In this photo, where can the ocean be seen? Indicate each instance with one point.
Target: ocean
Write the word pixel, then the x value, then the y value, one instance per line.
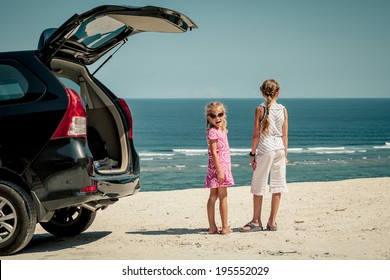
pixel 329 140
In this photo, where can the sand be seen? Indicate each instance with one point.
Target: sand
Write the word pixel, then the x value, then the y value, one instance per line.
pixel 343 220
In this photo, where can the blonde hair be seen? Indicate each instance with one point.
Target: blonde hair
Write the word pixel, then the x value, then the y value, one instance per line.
pixel 270 89
pixel 212 107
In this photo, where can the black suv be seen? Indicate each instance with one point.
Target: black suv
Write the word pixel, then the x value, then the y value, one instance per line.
pixel 66 140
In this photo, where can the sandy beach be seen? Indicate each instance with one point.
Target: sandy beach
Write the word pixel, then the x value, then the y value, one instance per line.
pixel 344 220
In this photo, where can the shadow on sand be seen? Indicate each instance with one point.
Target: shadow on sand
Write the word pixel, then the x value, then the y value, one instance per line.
pixel 48 243
pixel 170 231
pixel 175 231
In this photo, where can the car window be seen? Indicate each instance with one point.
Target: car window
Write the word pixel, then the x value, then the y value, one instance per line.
pixel 17 84
pixel 97 31
pixel 13 85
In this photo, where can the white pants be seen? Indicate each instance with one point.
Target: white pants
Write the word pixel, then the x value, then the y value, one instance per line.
pixel 271 163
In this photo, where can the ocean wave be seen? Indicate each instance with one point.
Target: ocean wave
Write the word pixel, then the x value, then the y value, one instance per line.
pixel 330 150
pixel 308 163
pixel 155 158
pixel 386 146
pixel 155 154
pixel 237 152
pixel 322 162
pixel 335 152
pixel 326 148
pixel 191 152
pixel 201 152
pixel 178 166
pixel 316 150
pixel 245 151
pixel 234 152
pixel 163 169
pixel 295 150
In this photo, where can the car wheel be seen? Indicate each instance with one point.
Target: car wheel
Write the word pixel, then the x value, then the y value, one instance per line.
pixel 69 221
pixel 18 218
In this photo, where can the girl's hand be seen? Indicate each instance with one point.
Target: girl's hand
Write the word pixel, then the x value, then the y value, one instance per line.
pixel 220 177
pixel 253 163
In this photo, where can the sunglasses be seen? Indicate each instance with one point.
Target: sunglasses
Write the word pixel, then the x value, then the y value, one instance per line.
pixel 220 115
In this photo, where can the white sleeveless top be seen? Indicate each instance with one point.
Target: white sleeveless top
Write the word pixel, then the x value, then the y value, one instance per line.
pixel 273 140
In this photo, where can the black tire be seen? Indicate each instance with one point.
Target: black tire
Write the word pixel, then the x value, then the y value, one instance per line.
pixel 69 221
pixel 18 218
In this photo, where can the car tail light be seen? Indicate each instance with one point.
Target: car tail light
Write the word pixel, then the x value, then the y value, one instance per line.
pixel 89 189
pixel 74 122
pixel 126 109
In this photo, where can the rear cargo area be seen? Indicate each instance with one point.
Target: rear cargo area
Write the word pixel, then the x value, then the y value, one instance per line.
pixel 106 133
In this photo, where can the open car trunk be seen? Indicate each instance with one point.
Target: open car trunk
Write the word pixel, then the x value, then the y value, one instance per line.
pixel 107 138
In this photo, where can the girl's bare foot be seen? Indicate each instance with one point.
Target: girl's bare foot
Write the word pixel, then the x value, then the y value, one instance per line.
pixel 214 231
pixel 226 230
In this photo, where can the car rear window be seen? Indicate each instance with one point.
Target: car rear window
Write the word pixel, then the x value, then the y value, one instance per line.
pixel 97 31
pixel 17 84
pixel 13 85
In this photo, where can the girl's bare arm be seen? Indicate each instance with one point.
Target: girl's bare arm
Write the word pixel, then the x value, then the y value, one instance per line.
pixel 285 132
pixel 214 155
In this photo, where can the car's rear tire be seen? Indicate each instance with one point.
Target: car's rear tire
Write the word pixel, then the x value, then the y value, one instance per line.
pixel 18 218
pixel 69 221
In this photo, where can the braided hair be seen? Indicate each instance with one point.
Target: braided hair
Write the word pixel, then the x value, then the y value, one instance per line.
pixel 270 88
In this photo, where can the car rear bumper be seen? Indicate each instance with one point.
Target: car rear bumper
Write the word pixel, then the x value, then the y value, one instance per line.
pixel 59 174
pixel 118 186
pixel 108 193
pixel 109 190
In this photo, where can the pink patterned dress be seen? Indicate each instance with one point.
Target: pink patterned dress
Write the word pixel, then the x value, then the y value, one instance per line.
pixel 223 152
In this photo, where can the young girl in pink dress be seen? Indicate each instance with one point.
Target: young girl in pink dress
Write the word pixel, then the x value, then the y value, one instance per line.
pixel 219 175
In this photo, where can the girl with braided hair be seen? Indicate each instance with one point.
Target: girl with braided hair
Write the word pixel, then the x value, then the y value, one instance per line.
pixel 268 156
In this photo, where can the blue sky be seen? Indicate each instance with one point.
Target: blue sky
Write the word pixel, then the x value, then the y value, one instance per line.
pixel 319 49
